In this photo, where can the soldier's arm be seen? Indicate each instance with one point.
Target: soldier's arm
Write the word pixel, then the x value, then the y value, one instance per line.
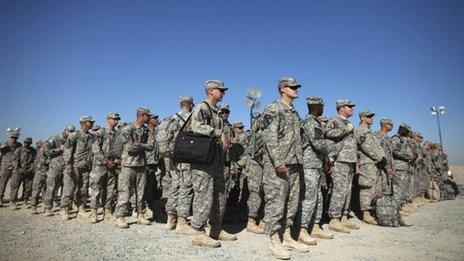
pixel 271 124
pixel 68 153
pixel 334 131
pixel 150 145
pixel 97 149
pixel 200 124
pixel 400 150
pixel 17 160
pixel 322 146
pixel 370 147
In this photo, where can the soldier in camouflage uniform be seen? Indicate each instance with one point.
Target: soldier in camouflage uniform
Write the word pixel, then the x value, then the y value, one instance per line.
pixel 208 180
pixel 10 153
pixel 402 157
pixel 39 184
pixel 420 170
pixel 132 178
pixel 153 187
pixel 54 148
pixel 371 160
pixel 229 168
pixel 344 157
pixel 77 158
pixel 104 172
pixel 283 159
pixel 23 172
pixel 315 149
pixel 386 125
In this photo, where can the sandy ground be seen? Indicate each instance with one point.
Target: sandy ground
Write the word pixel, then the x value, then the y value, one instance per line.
pixel 458 172
pixel 437 233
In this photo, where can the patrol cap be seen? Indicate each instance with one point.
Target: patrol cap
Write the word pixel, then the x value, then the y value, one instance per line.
pixel 113 115
pixel 215 84
pixel 186 98
pixel 144 110
pixel 86 118
pixel 314 100
pixel 238 124
pixel 344 102
pixel 386 121
pixel 288 82
pixel 224 107
pixel 406 126
pixel 28 140
pixel 13 133
pixel 366 113
pixel 70 128
pixel 418 134
pixel 96 127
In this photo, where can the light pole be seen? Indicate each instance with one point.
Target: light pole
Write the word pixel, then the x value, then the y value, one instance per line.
pixel 252 102
pixel 438 111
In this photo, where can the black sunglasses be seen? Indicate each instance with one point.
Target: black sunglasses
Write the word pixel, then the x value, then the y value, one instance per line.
pixel 293 87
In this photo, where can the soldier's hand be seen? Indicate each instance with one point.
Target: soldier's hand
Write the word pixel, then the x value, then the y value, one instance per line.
pixel 282 169
pixel 225 141
pixel 70 172
pixel 61 147
pixel 349 127
pixel 357 170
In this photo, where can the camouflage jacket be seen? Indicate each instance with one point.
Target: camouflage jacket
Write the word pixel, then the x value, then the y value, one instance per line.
pixel 135 145
pixel 10 155
pixel 345 143
pixel 282 134
pixel 402 153
pixel 152 155
pixel 315 145
pixel 101 146
pixel 53 151
pixel 369 149
pixel 205 120
pixel 179 119
pixel 26 159
pixel 78 150
pixel 385 143
pixel 42 162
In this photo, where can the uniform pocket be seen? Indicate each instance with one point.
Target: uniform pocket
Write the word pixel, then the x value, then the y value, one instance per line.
pixel 199 183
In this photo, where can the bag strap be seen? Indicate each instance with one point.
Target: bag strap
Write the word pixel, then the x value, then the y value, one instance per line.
pixel 190 116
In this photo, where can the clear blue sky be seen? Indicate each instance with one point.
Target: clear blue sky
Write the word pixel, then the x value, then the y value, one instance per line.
pixel 60 60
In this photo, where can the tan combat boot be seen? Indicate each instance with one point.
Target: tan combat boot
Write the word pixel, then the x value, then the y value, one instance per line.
pixel 336 225
pixel 34 210
pixel 81 212
pixel 276 247
pixel 262 224
pixel 320 233
pixel 201 239
pixel 142 220
pixel 218 234
pixel 404 214
pixel 253 228
pixel 48 212
pixel 367 218
pixel 345 222
pixel 121 223
pixel 93 216
pixel 305 238
pixel 289 243
pixel 13 206
pixel 64 214
pixel 25 204
pixel 172 222
pixel 108 215
pixel 183 227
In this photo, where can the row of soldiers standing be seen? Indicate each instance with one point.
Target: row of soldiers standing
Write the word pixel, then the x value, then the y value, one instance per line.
pixel 286 163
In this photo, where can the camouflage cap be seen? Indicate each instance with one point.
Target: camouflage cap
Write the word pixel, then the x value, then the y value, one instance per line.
pixel 145 110
pixel 314 100
pixel 386 121
pixel 13 133
pixel 344 102
pixel 287 82
pixel 238 124
pixel 186 98
pixel 224 107
pixel 86 118
pixel 406 126
pixel 96 127
pixel 113 115
pixel 366 113
pixel 418 134
pixel 70 128
pixel 215 84
pixel 28 140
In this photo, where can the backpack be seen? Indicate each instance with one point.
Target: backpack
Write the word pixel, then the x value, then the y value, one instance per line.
pixel 388 212
pixel 117 147
pixel 164 137
pixel 433 191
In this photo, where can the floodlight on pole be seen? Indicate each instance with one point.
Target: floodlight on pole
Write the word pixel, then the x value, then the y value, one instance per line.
pixel 438 111
pixel 252 102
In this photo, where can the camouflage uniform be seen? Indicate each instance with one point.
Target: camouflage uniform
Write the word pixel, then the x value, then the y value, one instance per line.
pixel 208 180
pixel 344 166
pixel 39 185
pixel 154 175
pixel 132 178
pixel 23 173
pixel 370 154
pixel 10 154
pixel 77 157
pixel 103 179
pixel 385 143
pixel 315 148
pixel 283 145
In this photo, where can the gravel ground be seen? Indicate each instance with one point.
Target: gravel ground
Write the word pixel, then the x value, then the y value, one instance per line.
pixel 437 233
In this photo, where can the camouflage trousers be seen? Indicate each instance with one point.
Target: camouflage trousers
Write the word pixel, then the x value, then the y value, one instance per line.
pixel 16 180
pixel 184 201
pixel 401 187
pixel 370 186
pixel 73 187
pixel 424 180
pixel 342 177
pixel 311 205
pixel 54 181
pixel 209 200
pixel 153 186
pixel 386 183
pixel 131 180
pixel 173 198
pixel 5 175
pixel 413 184
pixel 254 173
pixel 39 185
pixel 103 186
pixel 281 196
